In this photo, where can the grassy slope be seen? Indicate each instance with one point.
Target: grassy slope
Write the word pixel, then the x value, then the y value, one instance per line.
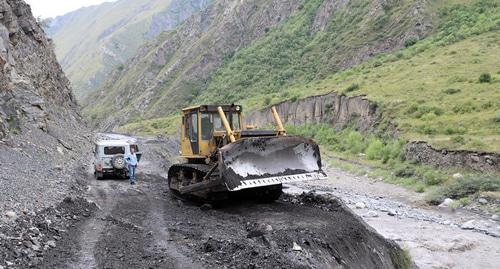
pixel 431 89
pixel 80 42
pixel 410 85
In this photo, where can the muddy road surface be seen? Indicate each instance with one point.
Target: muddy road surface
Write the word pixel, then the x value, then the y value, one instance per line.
pixel 145 226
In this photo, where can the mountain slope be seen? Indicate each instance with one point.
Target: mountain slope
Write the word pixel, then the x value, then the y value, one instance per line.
pixel 294 35
pixel 93 40
pixel 442 89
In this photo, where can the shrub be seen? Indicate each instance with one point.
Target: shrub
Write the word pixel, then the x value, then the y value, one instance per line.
pixel 353 87
pixel 465 186
pixel 354 142
pixel 485 78
pixel 467 107
pixel 405 171
pixel 433 177
pixel 376 150
pixel 267 101
pixel 411 41
pixel 458 139
pixel 427 129
pixel 453 129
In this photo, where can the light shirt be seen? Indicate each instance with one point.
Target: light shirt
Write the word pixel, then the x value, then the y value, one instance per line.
pixel 131 159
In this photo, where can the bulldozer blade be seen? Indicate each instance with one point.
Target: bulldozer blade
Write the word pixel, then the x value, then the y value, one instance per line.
pixel 265 161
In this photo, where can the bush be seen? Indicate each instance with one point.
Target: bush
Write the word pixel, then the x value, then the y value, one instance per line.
pixel 485 78
pixel 353 87
pixel 354 142
pixel 465 186
pixel 433 178
pixel 411 41
pixel 405 172
pixel 376 150
pixel 458 139
pixel 267 101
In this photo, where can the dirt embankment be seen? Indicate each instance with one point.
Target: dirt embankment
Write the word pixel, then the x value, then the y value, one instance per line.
pixel 422 152
pixel 336 109
pixel 339 110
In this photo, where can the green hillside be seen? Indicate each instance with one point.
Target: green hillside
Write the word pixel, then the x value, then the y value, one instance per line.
pixel 432 89
pixel 443 89
pixel 264 53
pixel 92 41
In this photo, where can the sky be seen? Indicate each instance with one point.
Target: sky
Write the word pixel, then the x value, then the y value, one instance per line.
pixel 53 8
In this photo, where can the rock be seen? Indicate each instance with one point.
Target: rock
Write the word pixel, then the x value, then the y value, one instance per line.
pixel 10 215
pixel 482 201
pixel 60 150
pixel 495 217
pixel 446 222
pixel 180 203
pixel 25 211
pixel 360 205
pixel 51 243
pixel 206 207
pixel 255 233
pixel 446 203
pixel 372 214
pixel 296 247
pixel 469 225
pixel 457 175
pixel 392 213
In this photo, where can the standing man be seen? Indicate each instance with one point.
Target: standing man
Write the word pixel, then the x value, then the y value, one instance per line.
pixel 132 165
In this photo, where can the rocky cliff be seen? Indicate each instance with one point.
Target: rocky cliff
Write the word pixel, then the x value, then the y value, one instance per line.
pixel 42 138
pixel 335 109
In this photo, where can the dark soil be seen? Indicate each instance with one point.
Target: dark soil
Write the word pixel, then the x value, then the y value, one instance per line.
pixel 145 226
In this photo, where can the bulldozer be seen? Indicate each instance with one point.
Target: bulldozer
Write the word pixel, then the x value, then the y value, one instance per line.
pixel 222 156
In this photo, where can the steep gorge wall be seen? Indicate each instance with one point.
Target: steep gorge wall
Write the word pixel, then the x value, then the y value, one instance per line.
pixel 43 140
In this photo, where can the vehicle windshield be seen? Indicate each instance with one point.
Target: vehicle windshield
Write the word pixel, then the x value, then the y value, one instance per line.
pixel 212 121
pixel 114 150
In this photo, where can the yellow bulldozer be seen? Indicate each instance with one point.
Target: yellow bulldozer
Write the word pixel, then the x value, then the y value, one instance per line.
pixel 223 156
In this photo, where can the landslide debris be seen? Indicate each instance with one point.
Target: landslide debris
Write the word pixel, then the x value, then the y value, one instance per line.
pixel 43 142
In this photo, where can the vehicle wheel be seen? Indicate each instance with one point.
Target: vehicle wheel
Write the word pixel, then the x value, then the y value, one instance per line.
pixel 119 162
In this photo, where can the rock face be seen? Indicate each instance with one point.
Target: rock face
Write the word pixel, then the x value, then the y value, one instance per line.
pixel 38 114
pixel 335 109
pixel 422 152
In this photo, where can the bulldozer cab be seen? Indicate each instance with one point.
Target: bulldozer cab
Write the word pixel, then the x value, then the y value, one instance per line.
pixel 203 129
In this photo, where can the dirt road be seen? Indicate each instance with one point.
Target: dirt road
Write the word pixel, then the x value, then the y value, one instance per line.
pixel 145 226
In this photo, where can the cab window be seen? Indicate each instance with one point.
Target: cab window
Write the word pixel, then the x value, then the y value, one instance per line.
pixel 114 150
pixel 236 121
pixel 207 126
pixel 194 127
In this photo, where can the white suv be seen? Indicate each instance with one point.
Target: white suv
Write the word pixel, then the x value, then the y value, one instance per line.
pixel 109 158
